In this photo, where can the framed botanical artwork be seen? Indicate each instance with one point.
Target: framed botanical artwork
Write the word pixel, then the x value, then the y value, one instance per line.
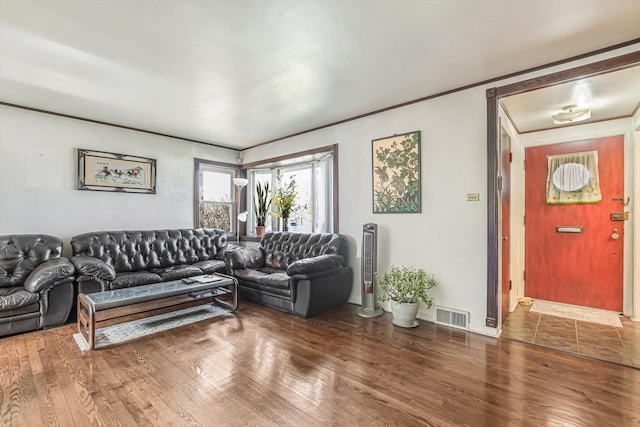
pixel 396 173
pixel 102 171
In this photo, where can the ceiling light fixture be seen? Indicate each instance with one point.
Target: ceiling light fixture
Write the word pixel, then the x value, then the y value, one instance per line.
pixel 570 114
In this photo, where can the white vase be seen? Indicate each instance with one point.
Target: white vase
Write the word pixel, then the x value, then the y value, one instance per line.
pixel 404 314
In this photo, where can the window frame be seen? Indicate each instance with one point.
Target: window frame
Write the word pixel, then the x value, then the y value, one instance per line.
pixel 267 164
pixel 287 162
pixel 212 165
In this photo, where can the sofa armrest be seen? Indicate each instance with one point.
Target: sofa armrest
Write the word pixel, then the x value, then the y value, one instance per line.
pixel 316 264
pixel 241 257
pixel 93 267
pixel 48 274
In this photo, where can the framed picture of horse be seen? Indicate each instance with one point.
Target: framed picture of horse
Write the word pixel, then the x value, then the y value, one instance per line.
pixel 103 171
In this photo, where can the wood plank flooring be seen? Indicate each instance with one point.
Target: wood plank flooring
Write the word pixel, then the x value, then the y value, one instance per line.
pixel 267 368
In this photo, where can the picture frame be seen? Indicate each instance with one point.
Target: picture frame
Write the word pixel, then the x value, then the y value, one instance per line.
pixel 105 171
pixel 396 179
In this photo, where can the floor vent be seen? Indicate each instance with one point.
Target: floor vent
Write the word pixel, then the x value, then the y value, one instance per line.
pixel 454 318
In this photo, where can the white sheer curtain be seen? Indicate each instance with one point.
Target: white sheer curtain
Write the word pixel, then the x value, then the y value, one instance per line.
pixel 573 178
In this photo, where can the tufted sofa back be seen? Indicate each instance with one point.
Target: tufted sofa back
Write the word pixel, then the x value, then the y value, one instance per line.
pixel 283 248
pixel 20 254
pixel 141 250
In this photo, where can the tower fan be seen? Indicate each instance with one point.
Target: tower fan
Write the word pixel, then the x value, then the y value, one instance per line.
pixel 369 306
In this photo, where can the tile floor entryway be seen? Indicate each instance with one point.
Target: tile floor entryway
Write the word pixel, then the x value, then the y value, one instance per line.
pixel 619 345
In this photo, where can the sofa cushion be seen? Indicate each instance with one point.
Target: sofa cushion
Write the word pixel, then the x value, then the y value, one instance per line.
pixel 21 254
pixel 211 266
pixel 265 286
pixel 283 248
pixel 50 273
pixel 315 264
pixel 93 267
pixel 138 250
pixel 32 309
pixel 16 297
pixel 277 260
pixel 177 272
pixel 265 277
pixel 239 257
pixel 136 278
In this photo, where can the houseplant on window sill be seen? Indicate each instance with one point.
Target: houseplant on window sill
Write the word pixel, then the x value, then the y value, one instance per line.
pixel 261 206
pixel 405 287
pixel 283 201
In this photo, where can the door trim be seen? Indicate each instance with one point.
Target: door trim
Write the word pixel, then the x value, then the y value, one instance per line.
pixel 493 96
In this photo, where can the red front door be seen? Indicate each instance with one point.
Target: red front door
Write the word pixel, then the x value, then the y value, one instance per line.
pixel 575 268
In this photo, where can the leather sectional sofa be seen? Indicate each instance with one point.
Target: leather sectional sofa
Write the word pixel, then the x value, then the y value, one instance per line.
pixel 109 260
pixel 301 273
pixel 36 283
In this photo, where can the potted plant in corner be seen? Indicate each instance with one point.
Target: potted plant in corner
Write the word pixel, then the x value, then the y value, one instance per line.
pixel 261 206
pixel 404 287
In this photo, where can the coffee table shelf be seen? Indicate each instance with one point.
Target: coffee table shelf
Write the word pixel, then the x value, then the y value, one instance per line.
pixel 116 305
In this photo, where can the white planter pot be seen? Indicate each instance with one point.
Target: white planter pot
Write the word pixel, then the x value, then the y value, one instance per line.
pixel 404 314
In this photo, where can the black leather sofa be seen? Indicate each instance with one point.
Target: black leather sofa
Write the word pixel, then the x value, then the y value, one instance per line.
pixel 109 260
pixel 301 273
pixel 36 283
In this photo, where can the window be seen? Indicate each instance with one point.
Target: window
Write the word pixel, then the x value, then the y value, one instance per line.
pixel 215 196
pixel 313 175
pixel 214 207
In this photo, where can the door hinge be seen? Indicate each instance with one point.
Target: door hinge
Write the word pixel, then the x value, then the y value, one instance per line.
pixel 524 164
pixel 524 275
pixel 510 284
pixel 510 157
pixel 500 183
pixel 524 220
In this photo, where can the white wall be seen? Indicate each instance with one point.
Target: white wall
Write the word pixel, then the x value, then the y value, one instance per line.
pixel 449 237
pixel 38 170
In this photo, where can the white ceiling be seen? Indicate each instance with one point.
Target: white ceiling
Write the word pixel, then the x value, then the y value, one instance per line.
pixel 238 73
pixel 612 95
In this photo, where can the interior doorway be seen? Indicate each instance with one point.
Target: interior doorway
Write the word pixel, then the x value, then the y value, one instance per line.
pixel 494 229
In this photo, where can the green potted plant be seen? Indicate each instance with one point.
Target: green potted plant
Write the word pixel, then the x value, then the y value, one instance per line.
pixel 284 200
pixel 261 206
pixel 404 287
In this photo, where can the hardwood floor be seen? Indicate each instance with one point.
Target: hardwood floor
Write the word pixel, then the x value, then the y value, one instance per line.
pixel 263 367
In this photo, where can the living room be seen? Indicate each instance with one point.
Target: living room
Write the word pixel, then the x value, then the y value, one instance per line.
pixel 448 236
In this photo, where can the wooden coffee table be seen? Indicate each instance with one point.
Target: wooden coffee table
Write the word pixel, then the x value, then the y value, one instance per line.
pixel 116 305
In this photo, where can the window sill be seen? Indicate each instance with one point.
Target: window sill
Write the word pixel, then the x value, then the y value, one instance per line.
pixel 250 238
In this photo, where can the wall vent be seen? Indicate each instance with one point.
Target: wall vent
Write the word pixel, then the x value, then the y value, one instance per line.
pixel 454 318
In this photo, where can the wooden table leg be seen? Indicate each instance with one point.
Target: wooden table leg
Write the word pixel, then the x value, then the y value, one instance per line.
pixel 86 320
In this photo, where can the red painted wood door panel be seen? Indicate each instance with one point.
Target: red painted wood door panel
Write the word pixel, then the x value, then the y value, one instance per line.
pixel 581 269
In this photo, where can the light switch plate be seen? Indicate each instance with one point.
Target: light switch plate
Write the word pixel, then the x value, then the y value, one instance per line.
pixel 473 197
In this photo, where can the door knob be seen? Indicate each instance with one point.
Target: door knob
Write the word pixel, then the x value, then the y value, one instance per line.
pixel 615 235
